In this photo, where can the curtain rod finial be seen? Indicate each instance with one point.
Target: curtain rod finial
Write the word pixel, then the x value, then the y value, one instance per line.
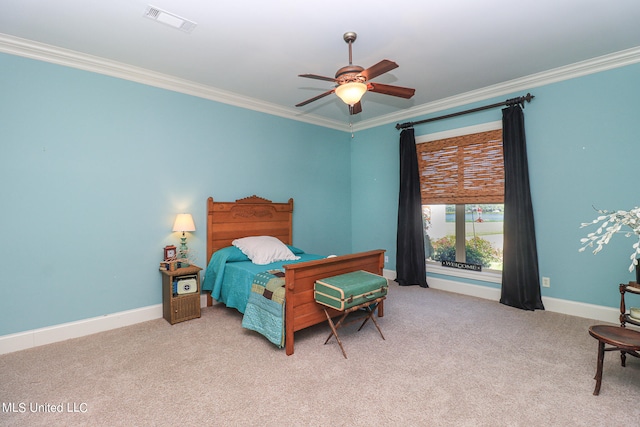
pixel 407 125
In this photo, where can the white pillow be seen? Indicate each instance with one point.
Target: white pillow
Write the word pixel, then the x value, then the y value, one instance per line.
pixel 264 249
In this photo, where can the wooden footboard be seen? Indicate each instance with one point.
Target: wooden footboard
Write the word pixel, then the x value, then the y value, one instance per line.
pixel 301 310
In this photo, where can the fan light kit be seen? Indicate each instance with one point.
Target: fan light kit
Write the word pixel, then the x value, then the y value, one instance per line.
pixel 353 81
pixel 351 93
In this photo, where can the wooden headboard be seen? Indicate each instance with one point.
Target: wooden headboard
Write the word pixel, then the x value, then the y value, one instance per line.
pixel 251 216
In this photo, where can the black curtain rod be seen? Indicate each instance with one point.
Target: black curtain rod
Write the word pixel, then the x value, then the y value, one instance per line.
pixel 520 100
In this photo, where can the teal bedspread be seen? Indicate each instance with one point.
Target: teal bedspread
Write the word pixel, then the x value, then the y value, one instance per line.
pixel 229 275
pixel 255 290
pixel 264 312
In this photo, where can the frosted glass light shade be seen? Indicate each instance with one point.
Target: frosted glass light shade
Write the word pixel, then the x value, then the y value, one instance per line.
pixel 351 93
pixel 184 222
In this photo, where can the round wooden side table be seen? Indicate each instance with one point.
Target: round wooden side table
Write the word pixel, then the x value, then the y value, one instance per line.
pixel 620 339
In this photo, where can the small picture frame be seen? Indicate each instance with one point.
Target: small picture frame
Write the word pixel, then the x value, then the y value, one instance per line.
pixel 170 253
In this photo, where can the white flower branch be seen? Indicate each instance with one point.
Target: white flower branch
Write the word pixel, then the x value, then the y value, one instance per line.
pixel 609 224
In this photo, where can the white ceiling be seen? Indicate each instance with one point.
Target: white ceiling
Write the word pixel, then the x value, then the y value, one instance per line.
pixel 256 48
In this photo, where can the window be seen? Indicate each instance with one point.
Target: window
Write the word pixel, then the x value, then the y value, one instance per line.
pixel 479 226
pixel 462 188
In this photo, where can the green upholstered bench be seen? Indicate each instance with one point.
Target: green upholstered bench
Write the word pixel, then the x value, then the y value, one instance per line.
pixel 346 293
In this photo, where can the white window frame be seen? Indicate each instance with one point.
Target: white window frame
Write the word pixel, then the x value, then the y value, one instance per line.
pixel 491 276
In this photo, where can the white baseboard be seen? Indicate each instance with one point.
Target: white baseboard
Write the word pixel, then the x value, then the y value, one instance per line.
pixel 572 308
pixel 389 274
pixel 80 328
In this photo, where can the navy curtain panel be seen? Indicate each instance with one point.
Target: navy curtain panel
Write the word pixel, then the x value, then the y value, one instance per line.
pixel 520 275
pixel 410 253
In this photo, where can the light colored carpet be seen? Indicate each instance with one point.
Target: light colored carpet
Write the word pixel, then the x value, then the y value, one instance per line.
pixel 447 360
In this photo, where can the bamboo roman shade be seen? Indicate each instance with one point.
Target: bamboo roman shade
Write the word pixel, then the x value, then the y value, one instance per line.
pixel 463 169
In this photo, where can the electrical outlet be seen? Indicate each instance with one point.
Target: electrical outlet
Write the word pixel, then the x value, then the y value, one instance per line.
pixel 546 282
pixel 386 258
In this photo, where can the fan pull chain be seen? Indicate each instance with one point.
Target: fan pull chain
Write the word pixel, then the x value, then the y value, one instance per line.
pixel 351 128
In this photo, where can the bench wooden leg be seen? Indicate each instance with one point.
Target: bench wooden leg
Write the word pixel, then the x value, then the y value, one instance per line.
pixel 370 315
pixel 370 311
pixel 598 376
pixel 334 330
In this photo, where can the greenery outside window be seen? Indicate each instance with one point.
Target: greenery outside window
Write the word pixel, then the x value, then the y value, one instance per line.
pixel 481 228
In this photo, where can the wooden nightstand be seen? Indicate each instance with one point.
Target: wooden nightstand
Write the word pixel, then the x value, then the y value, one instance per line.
pixel 178 306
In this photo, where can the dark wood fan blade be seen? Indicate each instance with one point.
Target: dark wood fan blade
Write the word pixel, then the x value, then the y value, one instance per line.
pixel 402 92
pixel 315 98
pixel 380 68
pixel 356 108
pixel 317 77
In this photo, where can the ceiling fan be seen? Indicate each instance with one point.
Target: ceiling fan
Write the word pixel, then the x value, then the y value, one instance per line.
pixel 352 81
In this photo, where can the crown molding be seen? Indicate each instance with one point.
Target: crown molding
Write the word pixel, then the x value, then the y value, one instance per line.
pixel 52 54
pixel 578 69
pixel 47 53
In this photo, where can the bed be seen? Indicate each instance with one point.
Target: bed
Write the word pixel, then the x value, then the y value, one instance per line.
pixel 256 216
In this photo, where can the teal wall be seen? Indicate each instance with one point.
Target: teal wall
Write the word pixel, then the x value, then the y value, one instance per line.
pixel 583 139
pixel 94 170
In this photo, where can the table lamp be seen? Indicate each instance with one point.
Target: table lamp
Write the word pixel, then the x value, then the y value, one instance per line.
pixel 184 222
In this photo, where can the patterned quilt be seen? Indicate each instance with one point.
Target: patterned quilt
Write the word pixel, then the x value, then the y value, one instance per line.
pixel 265 308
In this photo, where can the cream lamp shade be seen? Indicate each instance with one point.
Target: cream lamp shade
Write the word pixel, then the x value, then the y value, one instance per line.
pixel 184 222
pixel 351 93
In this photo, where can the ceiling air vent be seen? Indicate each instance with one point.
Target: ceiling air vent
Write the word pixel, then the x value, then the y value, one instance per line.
pixel 169 19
